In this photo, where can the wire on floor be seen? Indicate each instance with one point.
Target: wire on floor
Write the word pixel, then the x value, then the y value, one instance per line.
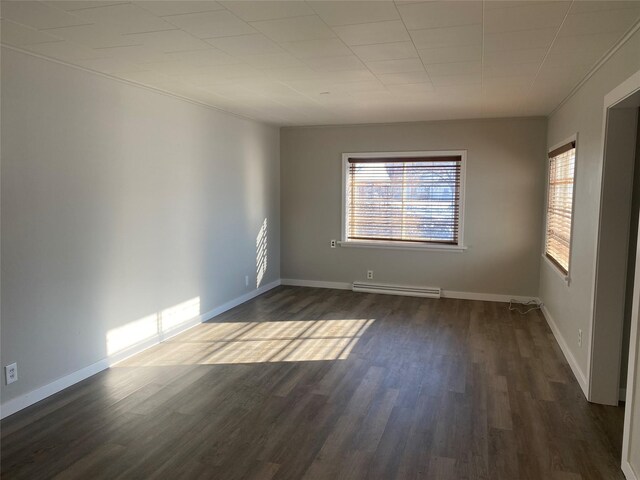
pixel 524 308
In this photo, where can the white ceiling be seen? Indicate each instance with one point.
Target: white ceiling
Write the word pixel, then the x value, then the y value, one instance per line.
pixel 332 62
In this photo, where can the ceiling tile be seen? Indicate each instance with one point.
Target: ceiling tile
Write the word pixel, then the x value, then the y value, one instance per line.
pixel 447 37
pixel 178 70
pixel 273 60
pixel 441 14
pixel 385 51
pixel 369 86
pixel 304 73
pixel 70 5
pixel 526 16
pixel 134 53
pixel 294 29
pixel 600 22
pixel 450 80
pixel 124 18
pixel 581 49
pixel 596 6
pixel 252 11
pixel 19 35
pixel 348 62
pixel 523 39
pixel 225 73
pixel 353 12
pixel 455 68
pixel 510 57
pixel 220 23
pixel 94 36
pixel 451 54
pixel 65 51
pixel 411 88
pixel 209 56
pixel 460 92
pixel 39 15
pixel 168 41
pixel 330 47
pixel 511 69
pixel 146 77
pixel 256 44
pixel 348 76
pixel 508 81
pixel 112 66
pixel 403 78
pixel 370 33
pixel 496 4
pixel 164 7
pixel 396 66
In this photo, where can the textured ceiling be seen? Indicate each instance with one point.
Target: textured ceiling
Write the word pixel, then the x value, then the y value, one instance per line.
pixel 332 62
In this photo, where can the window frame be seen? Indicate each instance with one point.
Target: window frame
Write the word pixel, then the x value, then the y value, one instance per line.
pixel 398 244
pixel 550 261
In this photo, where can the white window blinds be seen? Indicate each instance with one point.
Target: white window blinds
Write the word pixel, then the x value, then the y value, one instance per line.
pixel 403 199
pixel 560 205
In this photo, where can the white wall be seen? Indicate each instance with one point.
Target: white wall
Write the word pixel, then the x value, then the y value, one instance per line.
pixel 504 197
pixel 118 203
pixel 570 305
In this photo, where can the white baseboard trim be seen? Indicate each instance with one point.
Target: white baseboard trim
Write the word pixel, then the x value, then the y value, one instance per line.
pixel 487 297
pixel 575 368
pixel 34 396
pixel 28 399
pixel 294 282
pixel 628 471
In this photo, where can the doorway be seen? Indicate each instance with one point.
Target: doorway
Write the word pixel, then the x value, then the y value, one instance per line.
pixel 616 307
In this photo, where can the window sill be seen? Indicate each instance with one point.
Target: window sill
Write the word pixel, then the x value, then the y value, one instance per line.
pixel 554 267
pixel 403 246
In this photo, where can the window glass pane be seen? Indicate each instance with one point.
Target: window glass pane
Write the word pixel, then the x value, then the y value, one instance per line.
pixel 417 200
pixel 560 208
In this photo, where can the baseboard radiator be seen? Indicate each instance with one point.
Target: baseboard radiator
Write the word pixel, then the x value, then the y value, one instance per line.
pixel 429 292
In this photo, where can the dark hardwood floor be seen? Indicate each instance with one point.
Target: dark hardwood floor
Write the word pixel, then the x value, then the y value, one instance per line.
pixel 326 384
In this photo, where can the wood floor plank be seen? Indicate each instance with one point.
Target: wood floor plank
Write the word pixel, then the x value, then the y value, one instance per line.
pixel 329 384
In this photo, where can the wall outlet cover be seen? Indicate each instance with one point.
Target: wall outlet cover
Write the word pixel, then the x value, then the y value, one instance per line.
pixel 11 373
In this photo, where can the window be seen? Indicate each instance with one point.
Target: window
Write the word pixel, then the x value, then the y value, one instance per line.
pixel 560 205
pixel 411 199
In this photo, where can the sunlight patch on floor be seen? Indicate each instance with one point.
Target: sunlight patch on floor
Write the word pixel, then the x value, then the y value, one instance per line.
pixel 257 342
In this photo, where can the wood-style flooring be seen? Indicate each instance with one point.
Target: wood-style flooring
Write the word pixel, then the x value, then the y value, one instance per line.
pixel 305 383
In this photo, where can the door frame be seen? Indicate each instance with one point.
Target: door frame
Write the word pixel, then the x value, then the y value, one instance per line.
pixel 615 98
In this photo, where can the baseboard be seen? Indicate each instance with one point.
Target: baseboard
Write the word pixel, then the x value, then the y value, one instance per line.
pixel 628 471
pixel 28 399
pixel 575 368
pixel 294 282
pixel 487 297
pixel 34 396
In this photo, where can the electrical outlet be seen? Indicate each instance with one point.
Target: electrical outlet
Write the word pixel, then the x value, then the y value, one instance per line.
pixel 370 274
pixel 11 373
pixel 333 244
pixel 579 337
pixel 246 280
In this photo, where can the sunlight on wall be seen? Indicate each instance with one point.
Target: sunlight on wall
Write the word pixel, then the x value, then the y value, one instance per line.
pixel 261 253
pixel 258 342
pixel 151 327
pixel 178 314
pixel 133 333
